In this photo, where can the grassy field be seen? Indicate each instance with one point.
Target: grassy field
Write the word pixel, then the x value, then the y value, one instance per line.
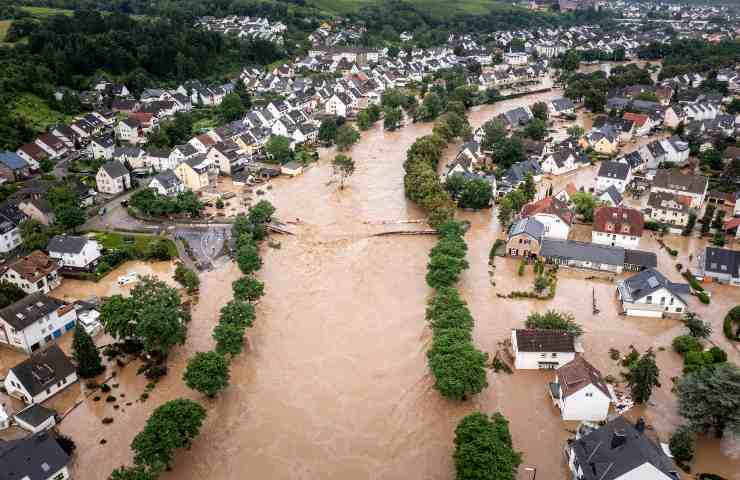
pixel 438 8
pixel 37 112
pixel 4 26
pixel 117 241
pixel 46 12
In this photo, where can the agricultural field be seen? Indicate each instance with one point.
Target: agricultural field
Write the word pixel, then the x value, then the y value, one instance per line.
pixel 46 11
pixel 438 8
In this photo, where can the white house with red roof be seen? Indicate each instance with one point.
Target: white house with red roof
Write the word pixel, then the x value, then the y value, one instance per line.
pixel 580 392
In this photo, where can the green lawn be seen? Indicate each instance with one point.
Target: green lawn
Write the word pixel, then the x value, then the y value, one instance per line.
pixel 4 26
pixel 438 8
pixel 46 12
pixel 37 112
pixel 117 241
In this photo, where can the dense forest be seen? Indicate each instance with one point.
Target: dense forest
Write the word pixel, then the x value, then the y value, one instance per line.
pixel 686 56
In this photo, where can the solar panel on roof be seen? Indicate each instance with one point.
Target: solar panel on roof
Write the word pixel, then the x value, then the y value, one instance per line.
pixel 653 282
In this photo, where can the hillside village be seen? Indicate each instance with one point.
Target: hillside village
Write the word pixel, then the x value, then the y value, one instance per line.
pixel 585 159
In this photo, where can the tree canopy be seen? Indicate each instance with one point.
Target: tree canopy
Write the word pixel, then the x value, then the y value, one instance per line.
pixel 484 449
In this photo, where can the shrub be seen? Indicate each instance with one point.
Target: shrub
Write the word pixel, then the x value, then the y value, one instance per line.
pixel 731 325
pixel 703 297
pixel 554 320
pixel 107 420
pixel 682 445
pixel 718 355
pixel 693 281
pixel 686 343
pixel 522 266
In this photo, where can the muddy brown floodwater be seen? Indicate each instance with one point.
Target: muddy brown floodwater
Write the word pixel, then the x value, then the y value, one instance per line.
pixel 335 384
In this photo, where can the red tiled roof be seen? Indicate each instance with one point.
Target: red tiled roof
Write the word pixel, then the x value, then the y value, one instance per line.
pixel 625 221
pixel 638 119
pixel 548 205
pixel 577 374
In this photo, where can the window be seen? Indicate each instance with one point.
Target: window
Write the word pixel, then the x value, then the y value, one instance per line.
pixel 649 299
pixel 589 394
pixel 679 310
pixel 554 355
pixel 543 355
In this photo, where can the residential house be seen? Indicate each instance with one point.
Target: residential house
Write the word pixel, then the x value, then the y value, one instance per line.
pixel 130 130
pixel 158 160
pixel 74 253
pixel 35 418
pixel 554 214
pixel 32 154
pixel 10 233
pixel 617 226
pixel 134 158
pixel 673 181
pixel 13 167
pixel 561 107
pixel 52 145
pixel 650 294
pixel 167 183
pixel 341 104
pixel 719 265
pixel 525 236
pixel 610 197
pixel 32 273
pixel 291 169
pixel 41 376
pixel 102 147
pixel 39 209
pixel 592 256
pixel 38 457
pixel 542 349
pixel 605 142
pixel 580 392
pixel 618 451
pixel 613 174
pixel 193 172
pixel 561 161
pixel 517 174
pixel 566 194
pixel 227 156
pixel 669 208
pixel 34 321
pixel 113 178
pixel 643 124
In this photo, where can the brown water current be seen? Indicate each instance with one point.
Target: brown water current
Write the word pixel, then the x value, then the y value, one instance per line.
pixel 335 384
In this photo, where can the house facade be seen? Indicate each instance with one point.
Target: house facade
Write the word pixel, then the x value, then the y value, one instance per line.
pixel 34 321
pixel 580 392
pixel 74 253
pixel 41 376
pixel 650 294
pixel 524 238
pixel 613 174
pixel 617 226
pixel 542 349
pixel 193 172
pixel 672 181
pixel 35 272
pixel 113 178
pixel 554 215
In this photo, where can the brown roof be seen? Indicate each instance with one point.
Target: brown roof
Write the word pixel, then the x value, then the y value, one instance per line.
pixel 675 180
pixel 206 139
pixel 548 205
pixel 531 340
pixel 33 151
pixel 577 374
pixel 34 266
pixel 622 220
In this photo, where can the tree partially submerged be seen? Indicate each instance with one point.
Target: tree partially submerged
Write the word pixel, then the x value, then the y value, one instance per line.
pixel 207 372
pixel 709 398
pixel 484 449
pixel 85 354
pixel 554 320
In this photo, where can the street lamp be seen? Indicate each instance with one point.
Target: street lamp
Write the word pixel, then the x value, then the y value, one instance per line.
pixel 533 470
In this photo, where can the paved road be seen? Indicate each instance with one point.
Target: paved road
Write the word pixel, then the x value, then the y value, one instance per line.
pixel 207 243
pixel 116 216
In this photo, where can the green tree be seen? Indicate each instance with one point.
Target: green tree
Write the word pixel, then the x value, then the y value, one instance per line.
pixel 697 327
pixel 261 212
pixel 709 398
pixel 554 320
pixel 46 165
pixel 681 444
pixel 343 167
pixel 187 278
pixel 393 117
pixel 731 324
pixel 158 250
pixel 540 111
pixel 455 184
pixel 237 312
pixel 172 426
pixel 585 204
pixel 69 217
pixel 712 159
pixel 536 129
pixel 347 136
pixel 328 131
pixel 508 152
pixel 459 371
pixel 363 120
pixel 207 372
pixel 529 188
pixel 504 212
pixel 131 473
pixel 576 131
pixel 35 235
pixel 444 270
pixel 494 131
pixel 231 108
pixel 484 449
pixel 476 194
pixel 570 61
pixel 229 338
pixel 248 289
pixel 248 257
pixel 643 377
pixel 85 354
pixel 278 149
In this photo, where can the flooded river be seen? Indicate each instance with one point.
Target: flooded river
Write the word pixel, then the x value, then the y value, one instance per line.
pixel 335 384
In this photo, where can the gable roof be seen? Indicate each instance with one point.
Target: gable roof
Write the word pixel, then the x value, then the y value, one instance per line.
pixel 647 282
pixel 114 169
pixel 35 458
pixel 611 169
pixel 536 340
pixel 29 310
pixel 674 180
pixel 722 260
pixel 549 205
pixel 34 266
pixel 42 369
pixel 577 374
pixel 12 160
pixel 529 226
pixel 67 244
pixel 35 414
pixel 617 448
pixel 621 220
pixel 582 251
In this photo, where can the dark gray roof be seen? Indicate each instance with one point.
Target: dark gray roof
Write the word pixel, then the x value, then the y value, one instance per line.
pixel 614 195
pixel 582 251
pixel 536 340
pixel 167 179
pixel 648 282
pixel 610 169
pixel 67 244
pixel 530 225
pixel 114 169
pixel 561 104
pixel 675 180
pixel 35 458
pixel 611 451
pixel 722 261
pixel 640 258
pixel 42 369
pixel 35 415
pixel 30 309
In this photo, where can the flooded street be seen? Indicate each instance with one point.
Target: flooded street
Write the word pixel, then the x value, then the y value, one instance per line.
pixel 335 383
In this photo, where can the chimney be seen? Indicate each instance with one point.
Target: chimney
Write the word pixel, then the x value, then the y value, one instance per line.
pixel 640 425
pixel 618 439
